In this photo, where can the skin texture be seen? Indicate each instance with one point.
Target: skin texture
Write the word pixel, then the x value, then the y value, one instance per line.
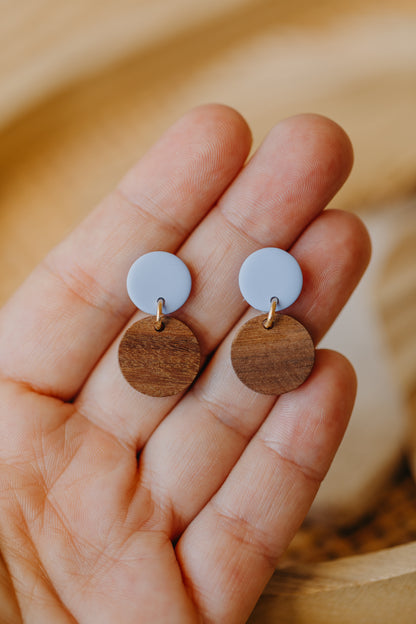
pixel 118 507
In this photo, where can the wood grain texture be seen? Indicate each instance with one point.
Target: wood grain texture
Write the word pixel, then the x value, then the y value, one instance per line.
pixel 159 363
pixel 275 360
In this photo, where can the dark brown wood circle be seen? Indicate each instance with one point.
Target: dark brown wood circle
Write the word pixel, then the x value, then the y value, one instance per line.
pixel 275 360
pixel 159 363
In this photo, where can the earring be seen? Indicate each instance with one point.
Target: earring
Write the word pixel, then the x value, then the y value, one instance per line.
pixel 159 355
pixel 272 354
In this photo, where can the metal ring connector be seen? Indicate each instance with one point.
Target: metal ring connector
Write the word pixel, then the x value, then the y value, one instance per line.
pixel 159 312
pixel 269 322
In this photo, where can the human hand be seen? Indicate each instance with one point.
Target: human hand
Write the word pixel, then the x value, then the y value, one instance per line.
pixel 119 507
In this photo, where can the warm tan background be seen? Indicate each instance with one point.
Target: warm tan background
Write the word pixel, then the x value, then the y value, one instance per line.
pixel 87 86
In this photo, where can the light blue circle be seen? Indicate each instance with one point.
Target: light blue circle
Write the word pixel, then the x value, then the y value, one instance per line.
pixel 159 274
pixel 267 273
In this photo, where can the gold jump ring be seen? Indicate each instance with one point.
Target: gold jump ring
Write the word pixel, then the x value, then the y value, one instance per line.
pixel 269 322
pixel 159 312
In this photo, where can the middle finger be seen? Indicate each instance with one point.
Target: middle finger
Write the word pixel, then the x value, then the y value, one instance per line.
pixel 301 164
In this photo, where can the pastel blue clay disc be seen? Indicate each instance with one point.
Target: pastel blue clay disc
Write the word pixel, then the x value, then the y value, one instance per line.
pixel 268 273
pixel 158 274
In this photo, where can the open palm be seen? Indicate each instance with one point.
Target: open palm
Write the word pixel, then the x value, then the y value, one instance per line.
pixel 118 507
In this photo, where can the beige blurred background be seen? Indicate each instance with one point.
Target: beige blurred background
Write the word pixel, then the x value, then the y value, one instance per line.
pixel 87 86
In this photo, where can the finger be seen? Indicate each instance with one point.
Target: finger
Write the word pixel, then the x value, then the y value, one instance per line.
pixel 191 453
pixel 301 163
pixel 75 302
pixel 230 550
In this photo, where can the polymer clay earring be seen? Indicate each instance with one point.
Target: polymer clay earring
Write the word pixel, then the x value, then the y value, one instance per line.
pixel 159 355
pixel 272 354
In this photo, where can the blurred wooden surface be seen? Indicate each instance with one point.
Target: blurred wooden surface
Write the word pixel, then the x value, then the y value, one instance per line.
pixel 88 86
pixel 378 588
pixel 374 442
pixel 47 46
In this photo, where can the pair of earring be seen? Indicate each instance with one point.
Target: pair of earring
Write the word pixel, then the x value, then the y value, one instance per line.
pixel 160 355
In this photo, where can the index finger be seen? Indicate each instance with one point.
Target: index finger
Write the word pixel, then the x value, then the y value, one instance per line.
pixel 74 304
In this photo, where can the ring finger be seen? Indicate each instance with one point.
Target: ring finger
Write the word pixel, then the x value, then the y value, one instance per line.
pixel 193 450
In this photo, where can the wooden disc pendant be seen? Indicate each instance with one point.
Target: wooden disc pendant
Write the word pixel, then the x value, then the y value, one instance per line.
pixel 159 363
pixel 275 360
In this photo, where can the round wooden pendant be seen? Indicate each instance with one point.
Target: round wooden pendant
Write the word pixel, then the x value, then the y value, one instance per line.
pixel 159 363
pixel 275 360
